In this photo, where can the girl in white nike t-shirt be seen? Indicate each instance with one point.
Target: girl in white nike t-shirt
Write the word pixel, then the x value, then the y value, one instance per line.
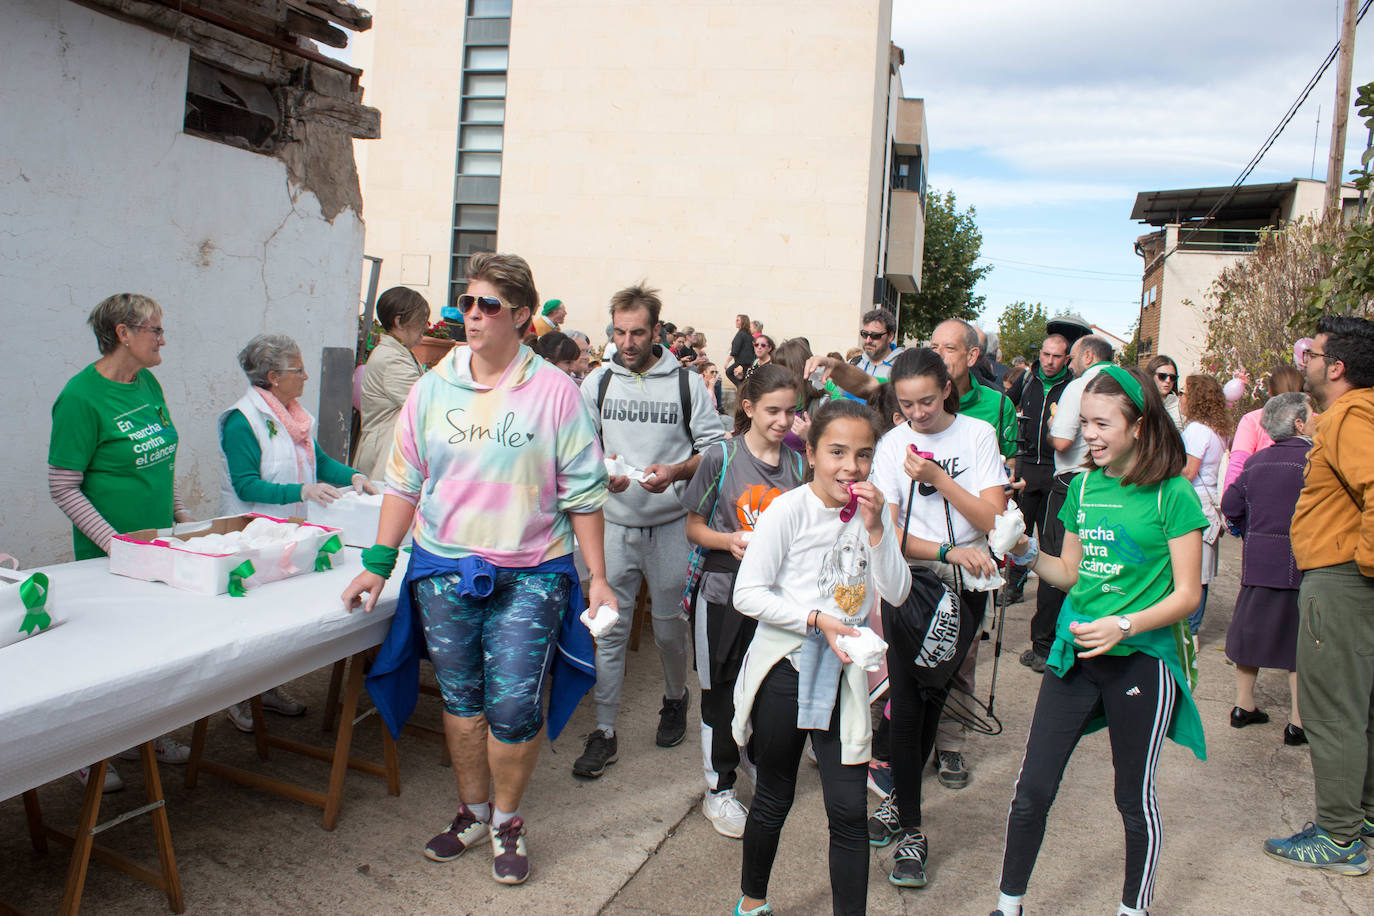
pixel 958 492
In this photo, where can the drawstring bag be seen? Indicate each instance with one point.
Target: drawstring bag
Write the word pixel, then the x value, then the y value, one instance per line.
pixel 932 617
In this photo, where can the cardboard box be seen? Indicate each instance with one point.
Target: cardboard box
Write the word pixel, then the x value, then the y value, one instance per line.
pixel 355 515
pixel 147 555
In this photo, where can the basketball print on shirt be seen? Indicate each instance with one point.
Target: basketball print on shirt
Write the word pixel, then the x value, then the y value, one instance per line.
pixel 844 573
pixel 752 502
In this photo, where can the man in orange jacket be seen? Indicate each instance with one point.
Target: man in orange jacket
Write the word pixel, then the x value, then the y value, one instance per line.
pixel 1333 541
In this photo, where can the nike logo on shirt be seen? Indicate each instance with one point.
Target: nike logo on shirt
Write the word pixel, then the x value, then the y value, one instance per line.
pixel 951 466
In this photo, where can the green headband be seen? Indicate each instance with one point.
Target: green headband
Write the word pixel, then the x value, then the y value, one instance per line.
pixel 551 305
pixel 1128 383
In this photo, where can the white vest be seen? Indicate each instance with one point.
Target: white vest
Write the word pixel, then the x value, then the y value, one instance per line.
pixel 278 458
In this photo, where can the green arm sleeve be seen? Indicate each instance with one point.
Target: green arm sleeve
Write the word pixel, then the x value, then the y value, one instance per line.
pixel 244 454
pixel 332 472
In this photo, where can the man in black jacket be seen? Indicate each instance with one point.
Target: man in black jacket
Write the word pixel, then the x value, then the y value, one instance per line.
pixel 1035 398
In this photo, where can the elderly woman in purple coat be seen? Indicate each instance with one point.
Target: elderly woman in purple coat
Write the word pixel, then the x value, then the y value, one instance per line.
pixel 1260 503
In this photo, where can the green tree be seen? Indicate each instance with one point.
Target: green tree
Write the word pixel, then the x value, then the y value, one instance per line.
pixel 1130 354
pixel 948 271
pixel 1021 328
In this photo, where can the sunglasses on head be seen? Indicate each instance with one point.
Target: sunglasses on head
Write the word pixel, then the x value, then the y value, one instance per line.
pixel 1166 377
pixel 489 305
pixel 872 335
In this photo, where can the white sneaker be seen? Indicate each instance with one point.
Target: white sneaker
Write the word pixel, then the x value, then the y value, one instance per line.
pixel 725 812
pixel 165 748
pixel 241 714
pixel 112 781
pixel 279 701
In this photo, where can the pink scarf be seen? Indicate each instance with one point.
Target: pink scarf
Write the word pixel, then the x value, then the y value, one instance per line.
pixel 296 422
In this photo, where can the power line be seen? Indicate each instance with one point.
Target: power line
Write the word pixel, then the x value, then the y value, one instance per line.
pixel 1071 272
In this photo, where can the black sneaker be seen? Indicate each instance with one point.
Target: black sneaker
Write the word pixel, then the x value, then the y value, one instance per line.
pixel 672 721
pixel 909 861
pixel 1033 660
pixel 883 824
pixel 1293 735
pixel 599 753
pixel 950 769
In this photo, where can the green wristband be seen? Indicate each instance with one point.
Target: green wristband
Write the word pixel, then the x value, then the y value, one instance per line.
pixel 380 559
pixel 944 551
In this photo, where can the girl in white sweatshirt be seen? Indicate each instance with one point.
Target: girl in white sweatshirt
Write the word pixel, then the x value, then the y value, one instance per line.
pixel 809 577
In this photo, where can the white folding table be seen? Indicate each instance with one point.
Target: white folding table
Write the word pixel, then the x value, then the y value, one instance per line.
pixel 133 660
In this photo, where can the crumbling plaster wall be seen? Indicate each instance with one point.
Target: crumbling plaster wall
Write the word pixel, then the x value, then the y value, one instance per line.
pixel 101 192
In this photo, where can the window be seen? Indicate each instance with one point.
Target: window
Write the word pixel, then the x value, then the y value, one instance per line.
pixel 487 58
pixel 469 243
pixel 489 9
pixel 479 163
pixel 481 138
pixel 488 111
pixel 476 216
pixel 485 85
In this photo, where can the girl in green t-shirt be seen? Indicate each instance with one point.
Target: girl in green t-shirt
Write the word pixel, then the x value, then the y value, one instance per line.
pixel 1130 564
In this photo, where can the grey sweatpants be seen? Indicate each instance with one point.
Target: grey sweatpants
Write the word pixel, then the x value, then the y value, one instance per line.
pixel 657 555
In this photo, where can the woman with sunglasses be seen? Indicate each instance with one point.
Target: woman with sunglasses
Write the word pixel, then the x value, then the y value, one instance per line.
pixel 763 353
pixel 1164 371
pixel 113 450
pixel 496 466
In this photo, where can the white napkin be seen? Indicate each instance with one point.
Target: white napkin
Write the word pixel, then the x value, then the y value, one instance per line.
pixel 867 650
pixel 983 583
pixel 605 619
pixel 619 467
pixel 1007 529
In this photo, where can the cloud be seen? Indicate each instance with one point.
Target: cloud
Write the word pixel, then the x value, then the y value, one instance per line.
pixel 1178 93
pixel 989 192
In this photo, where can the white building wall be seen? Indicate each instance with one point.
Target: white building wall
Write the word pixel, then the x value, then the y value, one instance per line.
pixel 1184 306
pixel 412 63
pixel 723 151
pixel 101 193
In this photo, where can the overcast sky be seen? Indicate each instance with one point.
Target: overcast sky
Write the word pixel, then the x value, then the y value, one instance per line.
pixel 1050 117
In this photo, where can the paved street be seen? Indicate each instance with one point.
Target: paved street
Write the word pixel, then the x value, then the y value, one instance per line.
pixel 635 842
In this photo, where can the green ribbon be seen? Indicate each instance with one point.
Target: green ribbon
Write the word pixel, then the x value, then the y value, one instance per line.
pixel 380 559
pixel 33 591
pixel 333 545
pixel 236 577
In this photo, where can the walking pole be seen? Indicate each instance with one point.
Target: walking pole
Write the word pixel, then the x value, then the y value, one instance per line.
pixel 999 603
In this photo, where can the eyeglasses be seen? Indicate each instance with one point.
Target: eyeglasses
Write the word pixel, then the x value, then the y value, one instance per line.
pixel 1166 377
pixel 1308 354
pixel 872 335
pixel 300 369
pixel 157 331
pixel 489 305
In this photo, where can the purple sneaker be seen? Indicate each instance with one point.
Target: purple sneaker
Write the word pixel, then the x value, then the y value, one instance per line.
pixel 510 862
pixel 460 836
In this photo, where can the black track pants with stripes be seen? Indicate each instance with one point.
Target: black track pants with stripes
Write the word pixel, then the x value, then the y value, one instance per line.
pixel 1138 694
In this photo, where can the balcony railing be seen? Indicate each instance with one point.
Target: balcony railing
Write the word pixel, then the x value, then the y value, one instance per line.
pixel 1218 241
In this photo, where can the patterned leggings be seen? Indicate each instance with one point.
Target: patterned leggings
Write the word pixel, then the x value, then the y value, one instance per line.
pixel 491 654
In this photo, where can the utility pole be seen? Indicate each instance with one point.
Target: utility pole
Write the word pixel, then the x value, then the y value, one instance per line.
pixel 1335 165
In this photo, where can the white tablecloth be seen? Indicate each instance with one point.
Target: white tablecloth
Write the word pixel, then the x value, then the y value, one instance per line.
pixel 136 659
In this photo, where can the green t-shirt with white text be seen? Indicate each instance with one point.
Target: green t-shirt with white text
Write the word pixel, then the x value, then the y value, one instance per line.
pixel 121 437
pixel 1125 533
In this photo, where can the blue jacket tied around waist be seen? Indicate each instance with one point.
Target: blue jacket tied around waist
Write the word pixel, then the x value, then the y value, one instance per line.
pixel 394 678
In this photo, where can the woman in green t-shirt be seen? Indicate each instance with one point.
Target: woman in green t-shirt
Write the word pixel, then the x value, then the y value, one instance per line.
pixel 1130 564
pixel 112 453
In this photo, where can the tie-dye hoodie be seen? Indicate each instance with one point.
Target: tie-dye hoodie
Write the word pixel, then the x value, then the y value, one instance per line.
pixel 495 471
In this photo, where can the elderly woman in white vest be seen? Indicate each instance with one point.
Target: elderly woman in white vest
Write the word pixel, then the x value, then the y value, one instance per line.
pixel 272 463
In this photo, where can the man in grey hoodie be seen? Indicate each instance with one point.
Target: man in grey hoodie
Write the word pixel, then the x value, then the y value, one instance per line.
pixel 657 417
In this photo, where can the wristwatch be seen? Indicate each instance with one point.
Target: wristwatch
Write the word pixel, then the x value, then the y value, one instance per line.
pixel 1125 624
